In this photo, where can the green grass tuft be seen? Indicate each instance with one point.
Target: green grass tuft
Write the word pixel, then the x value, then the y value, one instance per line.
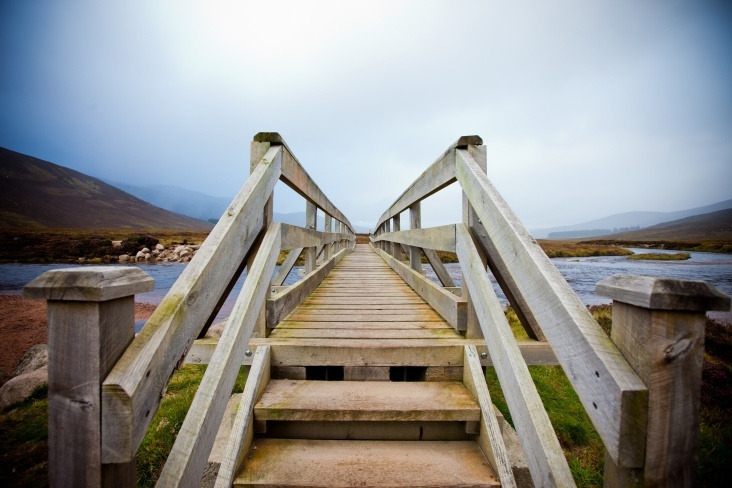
pixel 677 256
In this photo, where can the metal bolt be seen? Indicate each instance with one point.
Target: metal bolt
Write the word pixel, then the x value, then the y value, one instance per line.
pixel 483 354
pixel 248 352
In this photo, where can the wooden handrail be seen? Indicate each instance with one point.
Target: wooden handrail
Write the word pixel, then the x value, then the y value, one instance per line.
pixel 613 394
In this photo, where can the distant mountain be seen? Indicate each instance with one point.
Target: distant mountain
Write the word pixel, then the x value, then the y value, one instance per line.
pixel 37 193
pixel 179 200
pixel 623 221
pixel 713 226
pixel 202 206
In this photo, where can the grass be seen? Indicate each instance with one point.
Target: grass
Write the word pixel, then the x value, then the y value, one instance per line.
pixel 23 427
pixel 677 256
pixel 719 246
pixel 570 249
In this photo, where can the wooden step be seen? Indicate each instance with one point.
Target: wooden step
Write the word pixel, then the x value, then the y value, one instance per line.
pixel 316 463
pixel 289 400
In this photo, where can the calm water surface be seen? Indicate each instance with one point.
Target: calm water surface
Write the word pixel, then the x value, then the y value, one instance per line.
pixel 581 273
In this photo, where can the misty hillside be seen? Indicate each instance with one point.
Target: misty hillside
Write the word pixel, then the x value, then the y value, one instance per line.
pixel 35 194
pixel 711 226
pixel 179 200
pixel 624 221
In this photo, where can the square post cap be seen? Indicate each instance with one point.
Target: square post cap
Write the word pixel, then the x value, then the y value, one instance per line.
pixel 662 293
pixel 89 284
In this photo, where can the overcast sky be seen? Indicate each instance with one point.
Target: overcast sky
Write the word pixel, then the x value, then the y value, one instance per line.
pixel 587 108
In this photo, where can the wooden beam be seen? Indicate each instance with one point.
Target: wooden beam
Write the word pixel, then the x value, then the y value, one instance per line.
pixel 242 432
pixel 132 391
pixel 539 442
pixel 294 237
pixel 609 389
pixel 415 222
pixel 438 268
pixel 449 306
pixel 490 438
pixel 311 223
pixel 439 175
pixel 187 459
pixel 286 267
pixel 328 230
pixel 440 238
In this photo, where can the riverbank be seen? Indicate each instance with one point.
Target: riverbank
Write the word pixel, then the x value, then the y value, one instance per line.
pixel 23 325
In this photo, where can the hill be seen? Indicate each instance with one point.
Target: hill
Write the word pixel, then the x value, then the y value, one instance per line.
pixel 713 226
pixel 619 223
pixel 39 194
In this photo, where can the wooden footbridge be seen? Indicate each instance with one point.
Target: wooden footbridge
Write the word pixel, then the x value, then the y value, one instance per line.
pixel 364 372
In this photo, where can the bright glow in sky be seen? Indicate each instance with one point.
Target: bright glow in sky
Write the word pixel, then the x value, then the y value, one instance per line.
pixel 587 108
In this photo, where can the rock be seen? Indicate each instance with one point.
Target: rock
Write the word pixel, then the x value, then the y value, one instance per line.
pixel 217 329
pixel 140 255
pixel 116 243
pixel 185 259
pixel 155 252
pixel 21 387
pixel 145 250
pixel 184 253
pixel 179 249
pixel 123 258
pixel 196 247
pixel 159 247
pixel 34 358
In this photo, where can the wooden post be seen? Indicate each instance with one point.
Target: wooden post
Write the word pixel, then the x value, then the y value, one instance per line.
pixel 311 222
pixel 328 246
pixel 470 218
pixel 415 222
pixel 397 226
pixel 91 321
pixel 658 325
pixel 256 153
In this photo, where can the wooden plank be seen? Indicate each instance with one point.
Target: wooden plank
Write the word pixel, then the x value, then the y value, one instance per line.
pixel 607 386
pixel 490 438
pixel 286 266
pixel 329 229
pixel 533 352
pixel 350 333
pixel 539 442
pixel 284 302
pixel 449 306
pixel 383 431
pixel 393 464
pixel 438 268
pixel 440 238
pixel 346 401
pixel 415 222
pixel 311 222
pixel 381 315
pixel 365 324
pixel 187 459
pixel 440 174
pixel 241 435
pixel 294 237
pixel 132 391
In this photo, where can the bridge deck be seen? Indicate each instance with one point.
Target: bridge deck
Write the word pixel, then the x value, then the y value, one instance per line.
pixel 363 298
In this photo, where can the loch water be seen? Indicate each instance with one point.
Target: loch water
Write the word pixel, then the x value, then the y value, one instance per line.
pixel 582 274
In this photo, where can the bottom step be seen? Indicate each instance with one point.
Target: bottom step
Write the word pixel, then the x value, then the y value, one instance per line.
pixel 287 462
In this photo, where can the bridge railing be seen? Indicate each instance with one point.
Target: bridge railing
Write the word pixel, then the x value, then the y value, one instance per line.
pixel 648 437
pixel 105 383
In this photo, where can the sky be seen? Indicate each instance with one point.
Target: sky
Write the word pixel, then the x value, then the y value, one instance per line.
pixel 586 108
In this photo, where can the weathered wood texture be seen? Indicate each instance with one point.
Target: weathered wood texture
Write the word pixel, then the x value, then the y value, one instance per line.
pixel 285 301
pixel 543 453
pixel 439 175
pixel 295 176
pixel 286 266
pixel 294 237
pixel 311 222
pixel 449 306
pixel 242 432
pixel 658 324
pixel 187 459
pixel 490 437
pixel 288 462
pixel 91 320
pixel 132 391
pixel 439 238
pixel 346 401
pixel 608 388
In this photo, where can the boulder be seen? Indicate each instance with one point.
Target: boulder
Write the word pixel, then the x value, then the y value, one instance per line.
pixel 34 358
pixel 145 250
pixel 116 243
pixel 140 255
pixel 21 387
pixel 155 252
pixel 184 253
pixel 123 258
pixel 179 249
pixel 159 247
